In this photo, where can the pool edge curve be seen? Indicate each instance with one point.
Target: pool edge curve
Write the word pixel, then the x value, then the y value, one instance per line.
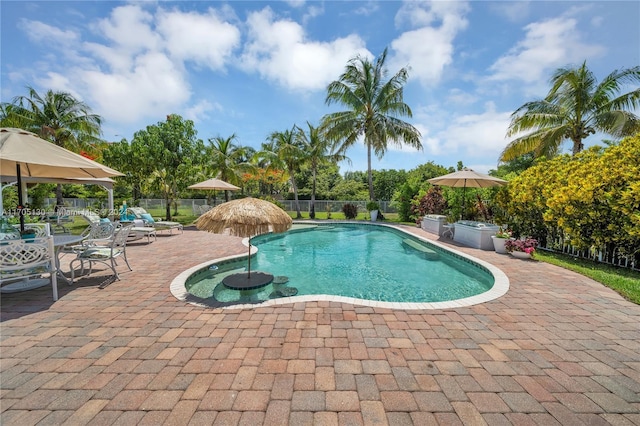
pixel 499 288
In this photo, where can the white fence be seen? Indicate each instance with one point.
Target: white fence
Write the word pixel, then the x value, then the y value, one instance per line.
pixel 610 256
pixel 190 203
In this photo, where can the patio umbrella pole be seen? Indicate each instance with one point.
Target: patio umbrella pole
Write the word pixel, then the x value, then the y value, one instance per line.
pixel 249 268
pixel 464 196
pixel 20 206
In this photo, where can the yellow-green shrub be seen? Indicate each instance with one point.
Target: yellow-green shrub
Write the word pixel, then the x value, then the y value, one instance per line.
pixel 591 199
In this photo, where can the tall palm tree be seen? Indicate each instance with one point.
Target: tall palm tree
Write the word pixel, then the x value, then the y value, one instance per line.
pixel 575 107
pixel 60 118
pixel 374 110
pixel 317 152
pixel 288 152
pixel 228 160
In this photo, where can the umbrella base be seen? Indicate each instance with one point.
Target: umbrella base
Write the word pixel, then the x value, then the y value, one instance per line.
pixel 243 281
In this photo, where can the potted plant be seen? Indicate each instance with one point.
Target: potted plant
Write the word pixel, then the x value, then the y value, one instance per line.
pixel 373 208
pixel 522 248
pixel 500 239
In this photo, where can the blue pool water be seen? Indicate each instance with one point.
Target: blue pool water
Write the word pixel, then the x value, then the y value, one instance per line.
pixel 360 261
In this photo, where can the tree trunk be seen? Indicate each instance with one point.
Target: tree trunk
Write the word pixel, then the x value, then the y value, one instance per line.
pixel 577 146
pixel 168 208
pixel 295 195
pixel 369 172
pixel 59 199
pixel 312 206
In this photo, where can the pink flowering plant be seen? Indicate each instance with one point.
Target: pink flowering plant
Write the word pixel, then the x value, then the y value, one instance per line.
pixel 527 245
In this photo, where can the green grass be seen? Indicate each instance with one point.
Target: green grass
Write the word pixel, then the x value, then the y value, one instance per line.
pixel 624 281
pixel 388 217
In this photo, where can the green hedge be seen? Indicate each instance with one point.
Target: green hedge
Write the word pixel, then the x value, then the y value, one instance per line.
pixel 591 200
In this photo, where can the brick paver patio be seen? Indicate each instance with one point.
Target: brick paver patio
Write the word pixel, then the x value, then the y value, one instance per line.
pixel 557 349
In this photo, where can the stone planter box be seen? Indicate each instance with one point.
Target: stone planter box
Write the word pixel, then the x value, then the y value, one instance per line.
pixel 475 234
pixel 434 223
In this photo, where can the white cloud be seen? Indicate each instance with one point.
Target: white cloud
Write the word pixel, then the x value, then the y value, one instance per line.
pixel 295 3
pixel 136 69
pixel 428 49
pixel 459 97
pixel 39 32
pixel 313 12
pixel 279 51
pixel 514 11
pixel 130 28
pixel 154 87
pixel 547 45
pixel 203 38
pixel 198 112
pixel 368 8
pixel 58 83
pixel 478 135
pixel 471 135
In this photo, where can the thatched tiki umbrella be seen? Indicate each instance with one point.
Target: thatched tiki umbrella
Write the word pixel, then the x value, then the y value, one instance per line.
pixel 246 217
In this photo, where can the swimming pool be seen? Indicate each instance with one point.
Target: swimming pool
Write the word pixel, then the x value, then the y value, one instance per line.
pixel 369 264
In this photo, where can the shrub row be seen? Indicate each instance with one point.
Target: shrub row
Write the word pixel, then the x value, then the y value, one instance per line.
pixel 591 200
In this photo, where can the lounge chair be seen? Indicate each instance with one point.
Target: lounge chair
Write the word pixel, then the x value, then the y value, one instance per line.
pixel 141 229
pixel 133 213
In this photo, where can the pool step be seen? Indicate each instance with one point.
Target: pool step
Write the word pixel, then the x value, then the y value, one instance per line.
pixel 429 254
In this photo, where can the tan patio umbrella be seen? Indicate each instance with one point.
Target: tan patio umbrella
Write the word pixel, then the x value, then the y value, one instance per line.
pixel 467 178
pixel 23 153
pixel 246 217
pixel 214 184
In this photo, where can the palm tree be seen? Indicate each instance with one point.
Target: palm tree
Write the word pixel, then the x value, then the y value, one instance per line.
pixel 316 147
pixel 575 107
pixel 374 110
pixel 228 160
pixel 59 118
pixel 287 151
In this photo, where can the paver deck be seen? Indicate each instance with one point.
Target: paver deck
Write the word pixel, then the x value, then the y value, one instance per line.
pixel 557 349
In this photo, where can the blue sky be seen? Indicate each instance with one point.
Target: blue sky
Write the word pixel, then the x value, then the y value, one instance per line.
pixel 252 68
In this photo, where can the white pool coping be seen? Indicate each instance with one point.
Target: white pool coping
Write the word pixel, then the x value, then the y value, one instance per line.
pixel 499 288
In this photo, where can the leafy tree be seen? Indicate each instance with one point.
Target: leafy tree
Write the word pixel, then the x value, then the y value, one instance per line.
pixel 228 160
pixel 317 152
pixel 168 151
pixel 374 110
pixel 264 181
pixel 128 159
pixel 419 177
pixel 402 199
pixel 10 117
pixel 57 117
pixel 287 150
pixel 387 182
pixel 348 189
pixel 575 107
